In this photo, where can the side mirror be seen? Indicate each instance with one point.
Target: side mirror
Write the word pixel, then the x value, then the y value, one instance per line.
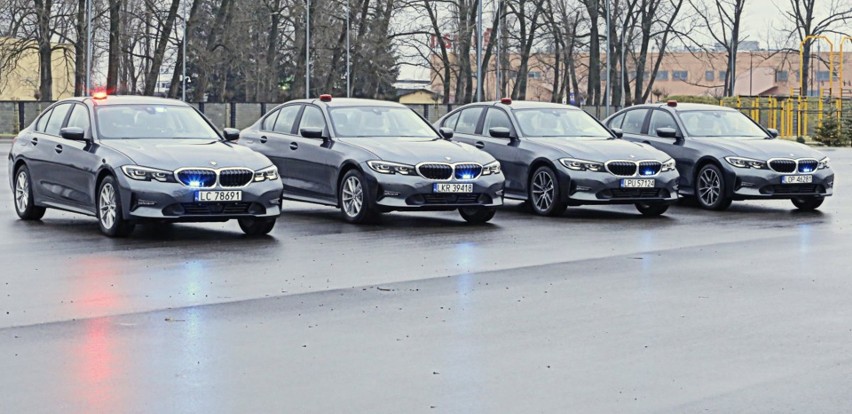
pixel 666 132
pixel 773 132
pixel 447 133
pixel 231 134
pixel 73 133
pixel 311 132
pixel 619 133
pixel 500 132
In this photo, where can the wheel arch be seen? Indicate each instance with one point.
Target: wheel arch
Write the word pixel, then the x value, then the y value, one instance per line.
pixel 705 160
pixel 564 185
pixel 345 167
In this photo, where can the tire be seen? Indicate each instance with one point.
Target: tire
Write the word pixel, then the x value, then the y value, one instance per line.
pixel 543 193
pixel 24 203
pixel 109 210
pixel 477 215
pixel 355 202
pixel 807 203
pixel 710 189
pixel 254 226
pixel 653 209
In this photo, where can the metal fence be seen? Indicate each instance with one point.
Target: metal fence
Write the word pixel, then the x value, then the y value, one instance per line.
pixel 16 115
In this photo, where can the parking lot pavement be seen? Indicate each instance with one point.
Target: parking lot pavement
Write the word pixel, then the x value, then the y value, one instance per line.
pixel 600 310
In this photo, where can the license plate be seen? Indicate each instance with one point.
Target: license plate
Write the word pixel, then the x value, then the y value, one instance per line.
pixel 637 183
pixel 207 196
pixel 452 188
pixel 797 179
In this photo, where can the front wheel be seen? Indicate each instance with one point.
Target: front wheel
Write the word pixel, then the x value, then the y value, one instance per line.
pixel 710 189
pixel 355 202
pixel 254 226
pixel 652 210
pixel 477 215
pixel 110 217
pixel 24 204
pixel 807 203
pixel 544 196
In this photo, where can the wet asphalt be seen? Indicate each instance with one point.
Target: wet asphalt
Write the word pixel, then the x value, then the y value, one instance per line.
pixel 601 310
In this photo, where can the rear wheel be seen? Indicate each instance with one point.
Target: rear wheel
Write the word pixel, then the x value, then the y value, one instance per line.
pixel 710 189
pixel 807 203
pixel 257 226
pixel 24 204
pixel 477 215
pixel 653 209
pixel 544 195
pixel 355 202
pixel 110 218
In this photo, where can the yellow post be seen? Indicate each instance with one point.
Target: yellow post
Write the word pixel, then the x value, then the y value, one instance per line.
pixel 819 108
pixel 805 118
pixel 840 79
pixel 802 61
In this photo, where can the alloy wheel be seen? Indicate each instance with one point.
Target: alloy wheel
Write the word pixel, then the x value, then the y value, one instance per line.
pixel 107 206
pixel 709 186
pixel 543 190
pixel 22 191
pixel 353 196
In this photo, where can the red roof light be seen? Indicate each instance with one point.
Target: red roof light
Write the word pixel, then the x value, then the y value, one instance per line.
pixel 672 103
pixel 325 97
pixel 506 101
pixel 99 95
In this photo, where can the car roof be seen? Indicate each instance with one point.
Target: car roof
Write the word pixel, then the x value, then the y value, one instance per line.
pixel 685 106
pixel 532 105
pixel 341 102
pixel 129 100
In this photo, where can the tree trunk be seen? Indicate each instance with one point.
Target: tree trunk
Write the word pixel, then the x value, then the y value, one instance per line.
pixel 45 62
pixel 157 61
pixel 114 54
pixel 80 51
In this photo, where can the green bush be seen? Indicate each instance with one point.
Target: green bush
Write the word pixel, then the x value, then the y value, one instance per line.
pixel 829 132
pixel 709 100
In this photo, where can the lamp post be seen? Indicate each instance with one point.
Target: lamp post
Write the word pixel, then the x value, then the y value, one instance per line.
pixel 608 58
pixel 479 51
pixel 348 89
pixel 89 47
pixel 308 49
pixel 183 64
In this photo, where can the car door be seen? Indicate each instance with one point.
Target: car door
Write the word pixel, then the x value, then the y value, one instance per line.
pixel 39 157
pixel 313 162
pixel 53 176
pixel 505 150
pixel 633 124
pixel 276 131
pixel 685 157
pixel 78 162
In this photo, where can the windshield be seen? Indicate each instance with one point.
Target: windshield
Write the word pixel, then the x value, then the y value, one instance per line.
pixel 378 121
pixel 152 121
pixel 559 122
pixel 720 123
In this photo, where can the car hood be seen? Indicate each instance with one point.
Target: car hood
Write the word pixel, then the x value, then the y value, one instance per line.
pixel 171 154
pixel 602 150
pixel 761 149
pixel 416 150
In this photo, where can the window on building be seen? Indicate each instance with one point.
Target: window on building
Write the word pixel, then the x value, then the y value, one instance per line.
pixel 708 75
pixel 534 74
pixel 680 75
pixel 662 75
pixel 723 75
pixel 822 75
pixel 781 76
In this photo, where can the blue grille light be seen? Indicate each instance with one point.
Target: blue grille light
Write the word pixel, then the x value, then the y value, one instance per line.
pixel 195 183
pixel 647 172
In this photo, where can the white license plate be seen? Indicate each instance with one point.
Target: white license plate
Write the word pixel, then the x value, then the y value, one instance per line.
pixel 637 183
pixel 452 188
pixel 207 196
pixel 797 179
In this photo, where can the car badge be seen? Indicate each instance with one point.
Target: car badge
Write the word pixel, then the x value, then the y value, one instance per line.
pixel 448 158
pixel 792 155
pixel 632 156
pixel 213 163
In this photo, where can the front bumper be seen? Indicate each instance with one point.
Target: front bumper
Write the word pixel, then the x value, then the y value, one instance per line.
pixel 748 184
pixel 153 200
pixel 406 192
pixel 586 187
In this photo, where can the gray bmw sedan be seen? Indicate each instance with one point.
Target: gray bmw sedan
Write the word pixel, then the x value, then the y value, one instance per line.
pixel 130 159
pixel 368 157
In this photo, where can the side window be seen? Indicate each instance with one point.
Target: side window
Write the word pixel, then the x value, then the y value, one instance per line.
pixel 468 120
pixel 286 119
pixel 56 119
pixel 42 122
pixel 616 121
pixel 633 121
pixel 496 118
pixel 269 122
pixel 312 118
pixel 79 118
pixel 661 119
pixel 451 121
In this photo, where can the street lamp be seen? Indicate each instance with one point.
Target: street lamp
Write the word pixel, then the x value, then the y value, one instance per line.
pixel 89 47
pixel 347 50
pixel 479 52
pixel 308 49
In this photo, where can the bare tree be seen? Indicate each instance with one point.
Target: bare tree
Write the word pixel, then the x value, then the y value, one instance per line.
pixel 806 24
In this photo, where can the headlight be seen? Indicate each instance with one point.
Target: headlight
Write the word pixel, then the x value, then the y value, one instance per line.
pixel 668 165
pixel 385 167
pixel 268 173
pixel 581 165
pixel 491 168
pixel 741 162
pixel 824 163
pixel 147 174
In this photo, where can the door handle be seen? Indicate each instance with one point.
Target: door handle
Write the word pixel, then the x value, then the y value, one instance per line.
pixel 263 139
pixel 35 141
pixel 479 144
pixel 58 149
pixel 294 145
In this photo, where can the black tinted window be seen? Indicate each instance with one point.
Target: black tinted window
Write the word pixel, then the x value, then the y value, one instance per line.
pixel 633 121
pixel 56 119
pixel 468 120
pixel 286 119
